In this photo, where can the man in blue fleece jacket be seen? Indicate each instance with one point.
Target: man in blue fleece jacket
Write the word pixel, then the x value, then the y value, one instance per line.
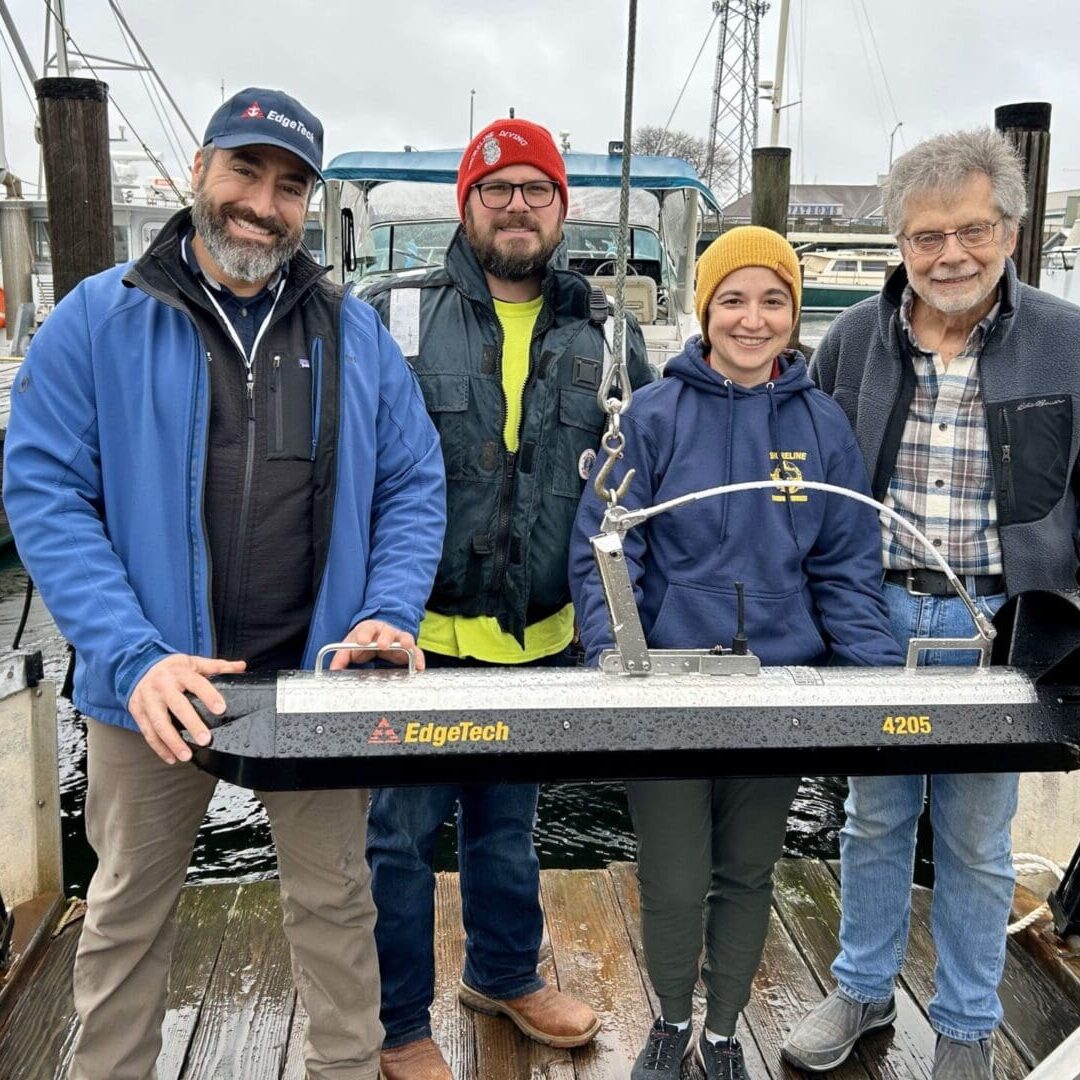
pixel 734 406
pixel 215 457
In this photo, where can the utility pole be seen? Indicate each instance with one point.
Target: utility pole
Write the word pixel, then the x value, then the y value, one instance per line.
pixel 892 136
pixel 733 125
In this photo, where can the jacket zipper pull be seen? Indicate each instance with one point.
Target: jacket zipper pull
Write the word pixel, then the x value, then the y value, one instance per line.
pixel 1006 453
pixel 251 394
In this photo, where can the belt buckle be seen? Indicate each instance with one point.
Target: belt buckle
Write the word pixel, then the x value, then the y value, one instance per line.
pixel 909 584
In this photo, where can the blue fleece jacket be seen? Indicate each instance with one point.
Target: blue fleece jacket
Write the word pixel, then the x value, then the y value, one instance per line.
pixel 103 483
pixel 811 563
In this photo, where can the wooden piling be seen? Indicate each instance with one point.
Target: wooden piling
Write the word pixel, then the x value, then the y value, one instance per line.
pixel 75 142
pixel 17 255
pixel 1027 126
pixel 771 187
pixel 770 199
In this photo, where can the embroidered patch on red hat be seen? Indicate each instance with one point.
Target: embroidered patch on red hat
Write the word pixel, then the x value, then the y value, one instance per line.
pixel 492 150
pixel 253 112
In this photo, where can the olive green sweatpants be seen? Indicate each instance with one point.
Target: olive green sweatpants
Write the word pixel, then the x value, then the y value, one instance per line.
pixel 706 851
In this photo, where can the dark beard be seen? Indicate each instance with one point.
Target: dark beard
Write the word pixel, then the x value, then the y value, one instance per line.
pixel 504 266
pixel 243 260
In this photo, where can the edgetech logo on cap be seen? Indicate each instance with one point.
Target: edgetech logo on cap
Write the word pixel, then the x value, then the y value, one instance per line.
pixel 257 115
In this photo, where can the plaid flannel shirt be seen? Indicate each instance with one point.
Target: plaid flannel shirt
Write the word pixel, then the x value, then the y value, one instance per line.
pixel 943 481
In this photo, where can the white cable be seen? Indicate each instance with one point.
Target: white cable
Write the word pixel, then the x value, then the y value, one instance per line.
pixel 627 519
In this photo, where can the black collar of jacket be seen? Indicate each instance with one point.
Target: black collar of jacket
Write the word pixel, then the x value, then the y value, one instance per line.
pixel 560 284
pixel 893 294
pixel 160 271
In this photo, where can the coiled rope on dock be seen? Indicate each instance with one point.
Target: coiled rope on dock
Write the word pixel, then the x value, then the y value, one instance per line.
pixel 1026 863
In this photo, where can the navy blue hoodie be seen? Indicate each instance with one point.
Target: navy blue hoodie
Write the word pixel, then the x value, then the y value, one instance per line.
pixel 810 563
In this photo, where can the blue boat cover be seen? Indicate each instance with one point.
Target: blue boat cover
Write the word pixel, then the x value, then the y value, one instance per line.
pixel 582 170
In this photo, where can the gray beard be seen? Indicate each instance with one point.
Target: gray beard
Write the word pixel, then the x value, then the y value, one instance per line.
pixel 242 260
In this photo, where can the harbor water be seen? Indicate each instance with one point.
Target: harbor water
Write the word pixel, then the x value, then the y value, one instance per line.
pixel 580 825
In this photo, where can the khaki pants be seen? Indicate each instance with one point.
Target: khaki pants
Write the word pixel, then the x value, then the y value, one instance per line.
pixel 142 817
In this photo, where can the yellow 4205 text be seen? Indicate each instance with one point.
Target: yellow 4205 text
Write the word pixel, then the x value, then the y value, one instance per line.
pixel 907 725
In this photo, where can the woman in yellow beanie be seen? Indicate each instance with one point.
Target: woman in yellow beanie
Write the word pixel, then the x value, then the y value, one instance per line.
pixel 736 405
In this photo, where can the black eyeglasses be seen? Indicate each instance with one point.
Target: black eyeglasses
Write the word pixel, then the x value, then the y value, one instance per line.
pixel 498 195
pixel 970 236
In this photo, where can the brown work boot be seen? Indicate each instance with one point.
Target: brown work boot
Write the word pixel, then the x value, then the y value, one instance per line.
pixel 419 1060
pixel 547 1015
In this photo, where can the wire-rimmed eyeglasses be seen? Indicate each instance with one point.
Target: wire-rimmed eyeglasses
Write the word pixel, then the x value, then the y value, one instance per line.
pixel 498 194
pixel 969 236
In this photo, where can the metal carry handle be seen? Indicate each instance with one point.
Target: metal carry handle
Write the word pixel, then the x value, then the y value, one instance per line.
pixel 341 646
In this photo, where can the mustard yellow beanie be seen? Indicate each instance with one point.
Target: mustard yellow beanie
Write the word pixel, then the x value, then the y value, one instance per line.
pixel 748 245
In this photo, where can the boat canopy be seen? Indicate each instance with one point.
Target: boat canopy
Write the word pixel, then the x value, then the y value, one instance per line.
pixel 582 170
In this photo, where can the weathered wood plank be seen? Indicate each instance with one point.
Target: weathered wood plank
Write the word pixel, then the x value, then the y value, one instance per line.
pixel 918 976
pixel 808 900
pixel 595 962
pixel 624 881
pixel 244 1023
pixel 37 1043
pixel 201 917
pixel 782 990
pixel 1037 1015
pixel 453 1026
pixel 1059 959
pixel 34 921
pixel 294 1068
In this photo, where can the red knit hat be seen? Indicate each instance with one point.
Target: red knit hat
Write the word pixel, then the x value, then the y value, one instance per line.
pixel 509 142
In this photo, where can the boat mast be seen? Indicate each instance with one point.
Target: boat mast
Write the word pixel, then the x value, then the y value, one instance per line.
pixel 62 69
pixel 778 82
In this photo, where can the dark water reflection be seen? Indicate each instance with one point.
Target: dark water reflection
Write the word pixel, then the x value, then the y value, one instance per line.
pixel 580 825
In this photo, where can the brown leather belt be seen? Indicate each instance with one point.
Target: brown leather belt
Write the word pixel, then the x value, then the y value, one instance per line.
pixel 935 583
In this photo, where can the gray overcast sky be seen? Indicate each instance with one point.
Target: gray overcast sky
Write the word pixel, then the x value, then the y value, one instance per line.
pixel 381 75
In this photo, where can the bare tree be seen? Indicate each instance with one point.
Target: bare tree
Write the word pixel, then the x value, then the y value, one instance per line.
pixel 651 139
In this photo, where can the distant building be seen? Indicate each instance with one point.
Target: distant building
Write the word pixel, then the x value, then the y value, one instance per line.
pixel 822 208
pixel 1062 211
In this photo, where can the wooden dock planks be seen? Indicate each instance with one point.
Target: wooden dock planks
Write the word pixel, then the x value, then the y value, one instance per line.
pixel 232 1010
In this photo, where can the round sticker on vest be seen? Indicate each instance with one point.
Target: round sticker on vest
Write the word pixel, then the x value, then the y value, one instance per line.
pixel 492 150
pixel 585 463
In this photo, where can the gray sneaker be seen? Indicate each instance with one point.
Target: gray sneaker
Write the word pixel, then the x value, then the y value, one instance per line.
pixel 955 1060
pixel 665 1048
pixel 825 1036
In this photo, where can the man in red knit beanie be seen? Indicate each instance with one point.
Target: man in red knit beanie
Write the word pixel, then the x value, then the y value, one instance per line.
pixel 509 357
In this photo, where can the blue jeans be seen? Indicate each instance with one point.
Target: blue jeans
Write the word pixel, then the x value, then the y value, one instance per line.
pixel 500 889
pixel 971 817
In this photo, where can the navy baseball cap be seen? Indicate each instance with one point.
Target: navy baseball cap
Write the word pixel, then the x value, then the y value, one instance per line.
pixel 258 115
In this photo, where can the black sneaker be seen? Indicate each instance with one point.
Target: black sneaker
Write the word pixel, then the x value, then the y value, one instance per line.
pixel 664 1051
pixel 722 1060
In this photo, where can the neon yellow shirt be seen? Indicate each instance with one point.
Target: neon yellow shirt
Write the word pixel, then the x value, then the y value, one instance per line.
pixel 480 636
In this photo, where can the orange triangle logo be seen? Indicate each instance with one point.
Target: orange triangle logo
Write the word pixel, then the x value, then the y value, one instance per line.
pixel 384 733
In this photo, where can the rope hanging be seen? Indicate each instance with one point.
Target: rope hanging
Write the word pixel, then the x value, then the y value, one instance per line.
pixel 615 390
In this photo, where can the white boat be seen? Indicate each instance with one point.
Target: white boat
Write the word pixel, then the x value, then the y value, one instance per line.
pixel 834 280
pixel 393 213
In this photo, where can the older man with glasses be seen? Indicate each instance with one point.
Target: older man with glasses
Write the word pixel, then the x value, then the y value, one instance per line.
pixel 510 354
pixel 962 385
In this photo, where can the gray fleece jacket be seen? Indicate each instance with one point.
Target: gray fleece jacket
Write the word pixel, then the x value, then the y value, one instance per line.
pixel 1030 379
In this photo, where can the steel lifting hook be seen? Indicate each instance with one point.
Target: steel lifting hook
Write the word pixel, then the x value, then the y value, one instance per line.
pixel 612 443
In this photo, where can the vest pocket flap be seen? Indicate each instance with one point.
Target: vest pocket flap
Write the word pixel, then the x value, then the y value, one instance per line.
pixel 579 409
pixel 445 393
